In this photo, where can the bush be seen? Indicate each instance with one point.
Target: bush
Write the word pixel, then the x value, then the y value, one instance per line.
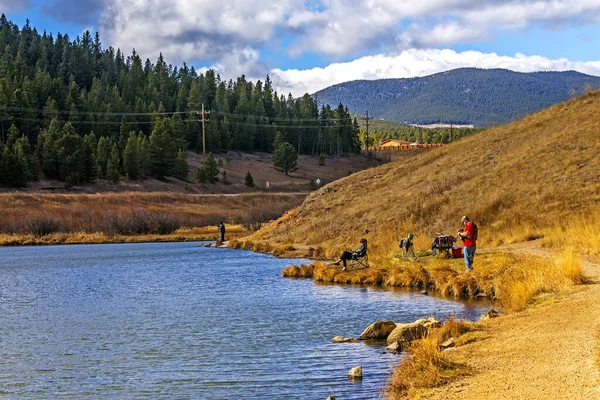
pixel 322 160
pixel 249 180
pixel 141 222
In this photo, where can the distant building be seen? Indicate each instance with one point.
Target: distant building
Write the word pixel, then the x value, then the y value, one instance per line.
pixel 393 144
pixel 397 144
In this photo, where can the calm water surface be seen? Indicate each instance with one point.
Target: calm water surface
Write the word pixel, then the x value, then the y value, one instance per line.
pixel 175 321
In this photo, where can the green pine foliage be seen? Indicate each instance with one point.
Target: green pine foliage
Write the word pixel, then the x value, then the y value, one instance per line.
pixel 285 158
pixel 131 158
pixel 249 180
pixel 181 165
pixel 209 171
pixel 57 91
pixel 112 169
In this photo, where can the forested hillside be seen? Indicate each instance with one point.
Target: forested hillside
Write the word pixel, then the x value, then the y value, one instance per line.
pixel 381 130
pixel 462 96
pixel 75 111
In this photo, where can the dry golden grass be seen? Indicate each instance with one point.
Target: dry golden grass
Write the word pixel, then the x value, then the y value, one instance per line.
pixel 426 365
pixel 514 281
pixel 579 232
pixel 134 213
pixel 519 182
pixel 180 235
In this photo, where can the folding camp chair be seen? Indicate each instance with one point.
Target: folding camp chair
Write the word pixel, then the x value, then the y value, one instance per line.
pixel 360 259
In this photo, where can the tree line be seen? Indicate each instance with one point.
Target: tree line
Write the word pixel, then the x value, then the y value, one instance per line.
pixel 74 100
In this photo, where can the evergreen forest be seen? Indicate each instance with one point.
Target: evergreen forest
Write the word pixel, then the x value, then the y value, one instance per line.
pixel 76 111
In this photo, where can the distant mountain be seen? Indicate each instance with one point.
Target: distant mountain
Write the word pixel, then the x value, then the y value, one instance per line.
pixel 481 97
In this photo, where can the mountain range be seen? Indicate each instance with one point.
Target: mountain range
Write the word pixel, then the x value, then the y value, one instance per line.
pixel 471 96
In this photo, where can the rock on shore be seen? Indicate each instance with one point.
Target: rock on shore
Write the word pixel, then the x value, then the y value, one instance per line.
pixel 378 331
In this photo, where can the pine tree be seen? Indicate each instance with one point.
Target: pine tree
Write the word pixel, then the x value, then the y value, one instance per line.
pixel 209 171
pixel 285 158
pixel 132 165
pixel 70 156
pixel 102 156
pixel 90 163
pixel 50 162
pixel 143 145
pixel 161 149
pixel 181 166
pixel 224 178
pixel 112 169
pixel 249 180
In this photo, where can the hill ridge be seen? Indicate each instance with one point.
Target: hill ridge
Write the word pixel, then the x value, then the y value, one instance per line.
pixel 482 97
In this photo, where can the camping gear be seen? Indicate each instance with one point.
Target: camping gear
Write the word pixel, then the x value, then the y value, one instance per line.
pixel 457 252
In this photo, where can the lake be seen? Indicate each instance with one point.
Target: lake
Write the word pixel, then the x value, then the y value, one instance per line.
pixel 177 321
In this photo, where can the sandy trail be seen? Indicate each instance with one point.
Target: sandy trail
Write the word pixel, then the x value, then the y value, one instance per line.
pixel 546 352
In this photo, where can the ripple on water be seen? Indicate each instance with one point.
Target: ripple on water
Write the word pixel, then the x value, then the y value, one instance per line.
pixel 174 320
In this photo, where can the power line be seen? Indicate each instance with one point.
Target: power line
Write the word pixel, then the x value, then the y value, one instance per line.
pixel 63 112
pixel 185 120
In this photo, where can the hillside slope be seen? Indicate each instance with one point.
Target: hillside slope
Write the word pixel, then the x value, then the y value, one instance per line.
pixel 462 96
pixel 516 181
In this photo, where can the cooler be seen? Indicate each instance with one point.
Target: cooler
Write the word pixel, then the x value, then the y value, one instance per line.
pixel 457 252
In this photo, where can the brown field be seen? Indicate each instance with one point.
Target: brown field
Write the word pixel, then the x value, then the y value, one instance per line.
pixel 259 165
pixel 36 218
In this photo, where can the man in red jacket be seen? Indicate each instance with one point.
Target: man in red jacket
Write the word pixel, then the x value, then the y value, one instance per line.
pixel 469 237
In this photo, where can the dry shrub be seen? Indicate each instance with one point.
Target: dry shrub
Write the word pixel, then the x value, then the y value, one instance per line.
pixel 323 273
pixel 531 276
pixel 37 225
pixel 140 222
pixel 580 233
pixel 303 271
pixel 510 279
pixel 261 247
pixel 426 365
pixel 408 275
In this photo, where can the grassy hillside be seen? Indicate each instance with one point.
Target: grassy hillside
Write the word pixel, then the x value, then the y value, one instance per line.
pixel 260 165
pixel 531 178
pixel 462 96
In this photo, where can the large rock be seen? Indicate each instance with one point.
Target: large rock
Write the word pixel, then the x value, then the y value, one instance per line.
pixel 489 315
pixel 342 339
pixel 378 331
pixel 406 333
pixel 394 347
pixel 331 398
pixel 355 373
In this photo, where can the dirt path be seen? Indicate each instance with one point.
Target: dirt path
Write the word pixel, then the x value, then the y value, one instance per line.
pixel 546 352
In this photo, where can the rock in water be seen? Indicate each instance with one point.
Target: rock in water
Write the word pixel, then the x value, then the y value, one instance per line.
pixel 355 373
pixel 406 333
pixel 394 347
pixel 378 331
pixel 489 315
pixel 331 398
pixel 342 339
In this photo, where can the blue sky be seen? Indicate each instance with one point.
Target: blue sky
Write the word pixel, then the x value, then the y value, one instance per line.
pixel 306 45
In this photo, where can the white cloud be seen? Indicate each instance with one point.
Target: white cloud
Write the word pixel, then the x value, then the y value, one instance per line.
pixel 413 63
pixel 12 5
pixel 192 29
pixel 231 33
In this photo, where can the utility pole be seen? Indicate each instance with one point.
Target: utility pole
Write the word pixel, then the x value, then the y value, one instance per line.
pixel 367 118
pixel 203 131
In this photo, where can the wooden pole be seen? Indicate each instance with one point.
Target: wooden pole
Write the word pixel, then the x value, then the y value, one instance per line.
pixel 203 133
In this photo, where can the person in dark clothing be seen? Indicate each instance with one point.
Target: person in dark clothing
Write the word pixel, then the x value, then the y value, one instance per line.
pixel 349 255
pixel 222 231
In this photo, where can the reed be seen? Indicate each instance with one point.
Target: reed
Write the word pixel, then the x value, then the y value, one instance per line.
pixel 426 365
